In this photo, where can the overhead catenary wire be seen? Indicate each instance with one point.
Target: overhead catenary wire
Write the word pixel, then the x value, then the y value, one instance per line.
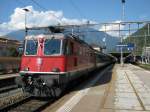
pixel 21 3
pixel 77 9
pixel 40 6
pixel 43 8
pixel 79 12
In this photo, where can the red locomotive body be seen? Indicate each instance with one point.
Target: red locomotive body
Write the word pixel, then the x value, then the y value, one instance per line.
pixel 56 55
pixel 43 54
pixel 52 61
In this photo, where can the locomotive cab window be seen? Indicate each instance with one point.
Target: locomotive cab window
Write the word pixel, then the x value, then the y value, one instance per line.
pixel 31 47
pixel 52 46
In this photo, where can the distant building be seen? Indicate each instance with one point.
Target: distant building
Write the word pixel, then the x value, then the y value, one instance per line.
pixel 146 51
pixel 146 54
pixel 8 46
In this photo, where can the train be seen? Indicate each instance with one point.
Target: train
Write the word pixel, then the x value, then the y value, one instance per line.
pixel 51 61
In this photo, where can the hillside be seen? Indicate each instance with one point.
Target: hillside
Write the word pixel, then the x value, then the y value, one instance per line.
pixel 90 36
pixel 140 39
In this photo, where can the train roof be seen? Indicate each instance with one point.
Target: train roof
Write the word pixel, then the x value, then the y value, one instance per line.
pixel 58 36
pixel 45 36
pixel 59 32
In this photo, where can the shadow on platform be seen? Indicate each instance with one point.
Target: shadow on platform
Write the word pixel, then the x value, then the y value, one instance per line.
pixel 104 79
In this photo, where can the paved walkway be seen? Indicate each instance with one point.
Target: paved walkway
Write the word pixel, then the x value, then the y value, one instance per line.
pixel 125 89
pixel 128 92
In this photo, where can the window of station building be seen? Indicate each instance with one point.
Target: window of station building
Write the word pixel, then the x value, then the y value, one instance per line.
pixel 91 54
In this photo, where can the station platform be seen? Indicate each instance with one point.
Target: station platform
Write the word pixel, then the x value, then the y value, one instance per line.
pixel 123 89
pixel 129 91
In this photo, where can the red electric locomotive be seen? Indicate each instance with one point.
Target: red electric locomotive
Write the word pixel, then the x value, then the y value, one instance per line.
pixel 50 61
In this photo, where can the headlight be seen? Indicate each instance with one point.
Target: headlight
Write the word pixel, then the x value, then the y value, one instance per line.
pixel 26 69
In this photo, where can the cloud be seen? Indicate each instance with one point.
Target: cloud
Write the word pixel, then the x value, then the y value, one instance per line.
pixel 36 18
pixel 110 29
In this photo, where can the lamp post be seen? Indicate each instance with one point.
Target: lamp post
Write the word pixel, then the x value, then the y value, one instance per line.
pixel 25 19
pixel 123 15
pixel 123 9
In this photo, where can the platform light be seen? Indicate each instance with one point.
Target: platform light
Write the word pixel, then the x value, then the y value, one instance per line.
pixel 123 16
pixel 27 10
pixel 123 1
pixel 26 69
pixel 25 19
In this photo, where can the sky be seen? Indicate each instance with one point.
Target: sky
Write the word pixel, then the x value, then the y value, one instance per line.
pixel 51 12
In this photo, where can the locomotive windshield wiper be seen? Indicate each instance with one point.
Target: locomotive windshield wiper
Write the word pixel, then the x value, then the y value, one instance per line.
pixel 35 42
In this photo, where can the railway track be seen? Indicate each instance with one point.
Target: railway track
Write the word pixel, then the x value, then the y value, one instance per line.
pixel 9 92
pixel 34 104
pixel 8 88
pixel 12 98
pixel 7 84
pixel 28 104
pixel 9 98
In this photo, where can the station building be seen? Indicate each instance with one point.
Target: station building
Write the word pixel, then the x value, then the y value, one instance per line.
pixel 8 47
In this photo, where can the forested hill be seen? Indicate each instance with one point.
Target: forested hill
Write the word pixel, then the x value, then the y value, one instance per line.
pixel 140 38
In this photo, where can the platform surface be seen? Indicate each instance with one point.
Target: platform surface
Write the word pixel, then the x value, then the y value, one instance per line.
pixel 123 89
pixel 130 90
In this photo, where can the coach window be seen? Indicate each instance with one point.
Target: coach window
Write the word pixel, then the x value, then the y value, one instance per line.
pixel 64 47
pixel 91 53
pixel 69 48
